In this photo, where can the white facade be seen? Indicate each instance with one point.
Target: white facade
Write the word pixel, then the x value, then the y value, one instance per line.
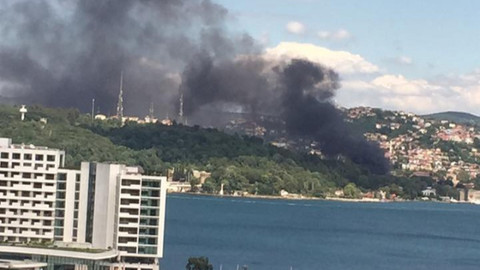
pixel 102 206
pixel 27 191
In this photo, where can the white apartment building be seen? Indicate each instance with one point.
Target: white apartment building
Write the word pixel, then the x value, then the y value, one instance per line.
pixel 28 191
pixel 101 206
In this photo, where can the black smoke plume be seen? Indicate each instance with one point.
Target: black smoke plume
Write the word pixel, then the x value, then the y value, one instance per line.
pixel 64 53
pixel 298 91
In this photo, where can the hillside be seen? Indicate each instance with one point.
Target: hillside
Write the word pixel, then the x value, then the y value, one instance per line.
pixel 457 117
pixel 239 162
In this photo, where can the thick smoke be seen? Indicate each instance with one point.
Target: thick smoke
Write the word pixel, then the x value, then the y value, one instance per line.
pixel 64 53
pixel 298 91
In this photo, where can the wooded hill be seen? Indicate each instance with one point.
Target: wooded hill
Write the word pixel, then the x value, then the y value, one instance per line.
pixel 239 162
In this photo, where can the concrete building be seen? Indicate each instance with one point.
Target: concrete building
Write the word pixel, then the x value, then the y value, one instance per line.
pixel 100 206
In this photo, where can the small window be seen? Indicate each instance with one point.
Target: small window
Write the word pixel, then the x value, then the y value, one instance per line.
pixel 27 164
pixel 50 158
pixel 4 164
pixel 27 156
pixel 4 155
pixel 61 186
pixel 16 155
pixel 62 176
pixel 49 176
pixel 38 157
pixel 15 164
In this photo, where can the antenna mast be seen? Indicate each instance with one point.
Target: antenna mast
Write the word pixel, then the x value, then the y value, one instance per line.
pixel 120 99
pixel 151 111
pixel 180 113
pixel 93 109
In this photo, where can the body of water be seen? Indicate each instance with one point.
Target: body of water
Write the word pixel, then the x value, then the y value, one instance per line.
pixel 306 234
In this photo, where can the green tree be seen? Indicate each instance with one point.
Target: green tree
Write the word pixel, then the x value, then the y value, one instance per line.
pixel 351 191
pixel 463 176
pixel 198 263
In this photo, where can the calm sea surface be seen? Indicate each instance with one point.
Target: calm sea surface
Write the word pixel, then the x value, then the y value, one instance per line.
pixel 285 234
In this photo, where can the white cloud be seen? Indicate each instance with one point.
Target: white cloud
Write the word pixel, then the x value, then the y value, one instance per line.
pixel 365 84
pixel 341 61
pixel 405 60
pixel 340 34
pixel 295 27
pixel 415 95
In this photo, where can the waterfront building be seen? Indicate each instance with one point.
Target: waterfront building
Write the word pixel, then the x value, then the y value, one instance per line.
pixel 103 207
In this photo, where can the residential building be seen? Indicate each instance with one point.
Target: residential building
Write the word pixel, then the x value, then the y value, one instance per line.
pixel 109 207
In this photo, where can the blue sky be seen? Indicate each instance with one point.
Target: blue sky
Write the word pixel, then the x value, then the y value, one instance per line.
pixel 422 43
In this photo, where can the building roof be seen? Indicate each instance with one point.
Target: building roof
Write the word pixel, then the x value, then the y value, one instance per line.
pixel 102 255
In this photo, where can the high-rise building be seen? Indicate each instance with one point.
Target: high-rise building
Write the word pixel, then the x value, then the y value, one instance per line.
pixel 110 207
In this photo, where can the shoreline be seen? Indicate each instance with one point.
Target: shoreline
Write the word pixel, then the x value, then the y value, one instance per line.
pixel 306 198
pixel 278 197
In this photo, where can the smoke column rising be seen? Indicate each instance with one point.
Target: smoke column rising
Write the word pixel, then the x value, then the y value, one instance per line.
pixel 64 53
pixel 298 91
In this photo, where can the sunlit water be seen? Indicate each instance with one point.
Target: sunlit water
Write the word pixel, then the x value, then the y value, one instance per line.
pixel 286 234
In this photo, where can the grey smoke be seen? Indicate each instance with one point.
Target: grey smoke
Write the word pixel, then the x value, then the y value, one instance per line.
pixel 63 53
pixel 299 92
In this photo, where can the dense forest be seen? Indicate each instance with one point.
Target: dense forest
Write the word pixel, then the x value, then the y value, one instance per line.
pixel 241 163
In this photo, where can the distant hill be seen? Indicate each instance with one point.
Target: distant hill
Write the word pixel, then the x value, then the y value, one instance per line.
pixel 457 117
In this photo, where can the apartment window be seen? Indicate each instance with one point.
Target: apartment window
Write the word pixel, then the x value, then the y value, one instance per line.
pixel 27 164
pixel 3 164
pixel 50 158
pixel 49 176
pixel 4 155
pixel 60 195
pixel 77 177
pixel 37 166
pixel 27 156
pixel 77 196
pixel 15 164
pixel 75 215
pixel 58 222
pixel 39 157
pixel 61 186
pixel 26 175
pixel 58 231
pixel 59 213
pixel 16 155
pixel 62 176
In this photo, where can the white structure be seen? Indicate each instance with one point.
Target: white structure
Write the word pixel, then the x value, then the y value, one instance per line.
pixel 23 111
pixel 100 206
pixel 28 186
